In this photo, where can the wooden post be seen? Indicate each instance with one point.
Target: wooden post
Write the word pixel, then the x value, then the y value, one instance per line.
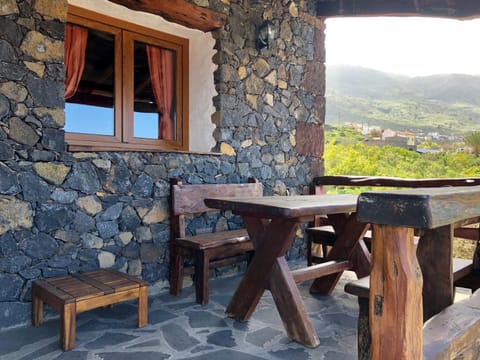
pixel 395 295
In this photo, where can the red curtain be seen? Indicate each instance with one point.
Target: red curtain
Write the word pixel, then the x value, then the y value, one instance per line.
pixel 161 65
pixel 75 45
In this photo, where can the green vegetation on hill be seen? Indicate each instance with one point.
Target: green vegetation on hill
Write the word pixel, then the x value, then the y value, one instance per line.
pixel 346 155
pixel 448 104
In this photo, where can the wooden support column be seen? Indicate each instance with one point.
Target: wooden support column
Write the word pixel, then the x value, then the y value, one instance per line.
pixel 395 295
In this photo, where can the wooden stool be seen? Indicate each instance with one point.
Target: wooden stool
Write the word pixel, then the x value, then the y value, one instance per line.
pixel 70 295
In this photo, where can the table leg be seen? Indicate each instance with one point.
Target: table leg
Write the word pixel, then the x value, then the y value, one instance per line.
pixel 347 246
pixel 269 268
pixel 290 305
pixel 396 318
pixel 271 240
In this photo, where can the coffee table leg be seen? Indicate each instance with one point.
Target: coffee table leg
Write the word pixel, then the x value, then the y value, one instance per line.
pixel 142 306
pixel 67 326
pixel 37 308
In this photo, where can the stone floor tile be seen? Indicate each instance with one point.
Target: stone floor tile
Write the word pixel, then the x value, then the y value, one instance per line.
pixel 159 316
pixel 34 355
pixel 140 355
pixel 199 319
pixel 178 338
pixel 73 355
pixel 150 343
pixel 262 336
pixel 110 339
pixel 288 354
pixel 223 338
pixel 226 355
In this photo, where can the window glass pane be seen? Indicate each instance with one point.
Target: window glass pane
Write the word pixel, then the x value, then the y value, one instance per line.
pixel 88 119
pixel 154 92
pixel 91 109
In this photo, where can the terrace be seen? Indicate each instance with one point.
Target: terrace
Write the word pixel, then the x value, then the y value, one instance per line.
pixel 79 200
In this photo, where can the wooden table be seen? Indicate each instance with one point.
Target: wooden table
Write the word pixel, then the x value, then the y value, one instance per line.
pixel 272 222
pixel 397 280
pixel 70 295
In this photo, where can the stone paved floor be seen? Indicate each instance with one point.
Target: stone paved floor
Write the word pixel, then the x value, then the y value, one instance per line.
pixel 178 328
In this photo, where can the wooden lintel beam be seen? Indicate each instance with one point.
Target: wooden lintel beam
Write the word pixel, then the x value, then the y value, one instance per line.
pixel 458 9
pixel 179 11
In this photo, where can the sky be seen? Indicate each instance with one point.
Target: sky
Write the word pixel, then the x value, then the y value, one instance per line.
pixel 410 46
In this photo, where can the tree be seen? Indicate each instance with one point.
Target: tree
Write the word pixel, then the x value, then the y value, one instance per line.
pixel 375 133
pixel 473 140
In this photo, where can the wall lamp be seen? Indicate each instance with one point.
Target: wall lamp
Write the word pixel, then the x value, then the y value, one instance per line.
pixel 266 34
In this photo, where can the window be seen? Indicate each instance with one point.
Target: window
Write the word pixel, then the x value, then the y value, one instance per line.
pixel 126 85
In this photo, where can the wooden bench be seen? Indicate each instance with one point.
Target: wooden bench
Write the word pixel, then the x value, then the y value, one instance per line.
pixel 408 272
pixel 321 233
pixel 70 295
pixel 454 332
pixel 207 250
pixel 463 276
pixel 451 334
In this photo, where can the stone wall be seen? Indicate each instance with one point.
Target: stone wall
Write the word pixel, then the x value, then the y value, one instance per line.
pixel 64 212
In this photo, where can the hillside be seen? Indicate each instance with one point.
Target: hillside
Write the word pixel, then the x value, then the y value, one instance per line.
pixel 449 104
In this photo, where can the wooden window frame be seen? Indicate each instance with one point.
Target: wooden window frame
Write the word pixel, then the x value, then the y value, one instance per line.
pixel 125 33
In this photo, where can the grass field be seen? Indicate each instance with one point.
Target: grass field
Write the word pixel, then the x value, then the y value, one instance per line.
pixel 463 248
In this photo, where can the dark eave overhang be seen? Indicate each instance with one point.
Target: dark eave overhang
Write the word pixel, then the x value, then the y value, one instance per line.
pixel 457 9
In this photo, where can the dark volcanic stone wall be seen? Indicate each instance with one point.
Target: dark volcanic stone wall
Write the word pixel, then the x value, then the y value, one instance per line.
pixel 64 212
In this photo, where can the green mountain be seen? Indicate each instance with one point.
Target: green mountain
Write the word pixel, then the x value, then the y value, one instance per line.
pixel 448 104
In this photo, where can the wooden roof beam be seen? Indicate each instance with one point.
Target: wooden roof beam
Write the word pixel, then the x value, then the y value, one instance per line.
pixel 180 12
pixel 458 9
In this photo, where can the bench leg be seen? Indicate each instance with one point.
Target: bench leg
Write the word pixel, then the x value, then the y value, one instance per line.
pixel 364 339
pixel 309 251
pixel 142 306
pixel 67 326
pixel 176 271
pixel 37 309
pixel 202 262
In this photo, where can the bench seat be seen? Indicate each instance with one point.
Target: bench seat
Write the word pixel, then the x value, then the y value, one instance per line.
pixel 361 287
pixel 453 333
pixel 213 240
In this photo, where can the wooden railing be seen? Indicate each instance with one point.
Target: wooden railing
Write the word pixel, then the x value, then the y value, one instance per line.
pixel 386 181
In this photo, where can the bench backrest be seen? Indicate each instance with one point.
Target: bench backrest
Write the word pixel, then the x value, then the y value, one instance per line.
pixel 319 187
pixel 188 199
pixel 343 180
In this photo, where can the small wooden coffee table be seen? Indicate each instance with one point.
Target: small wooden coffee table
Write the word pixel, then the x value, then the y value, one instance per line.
pixel 70 295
